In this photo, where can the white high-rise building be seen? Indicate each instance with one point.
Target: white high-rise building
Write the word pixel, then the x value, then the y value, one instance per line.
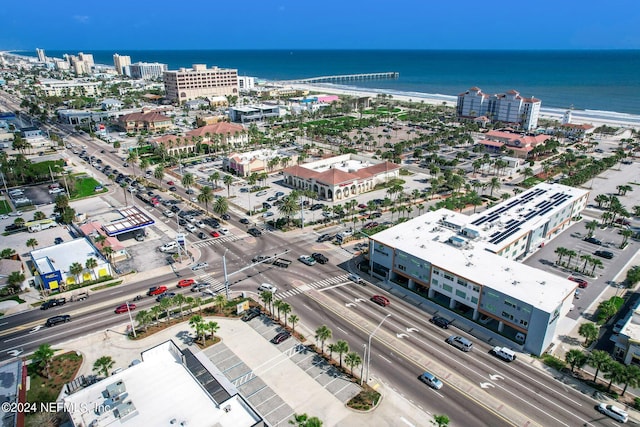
pixel 147 70
pixel 120 62
pixel 41 55
pixel 507 107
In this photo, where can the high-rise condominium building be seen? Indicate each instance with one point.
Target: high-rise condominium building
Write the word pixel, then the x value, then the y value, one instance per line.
pixel 200 82
pixel 41 55
pixel 507 107
pixel 147 70
pixel 120 62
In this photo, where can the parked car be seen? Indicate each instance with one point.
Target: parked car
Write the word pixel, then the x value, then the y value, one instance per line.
pixel 355 278
pixel 431 380
pixel 440 321
pixel 226 217
pixel 581 282
pixel 267 287
pixel 252 313
pixel 267 214
pixel 172 188
pixel 381 300
pixel 199 266
pixel 593 240
pixel 281 337
pixel 157 290
pixel 58 240
pixel 307 260
pixel 52 321
pixel 122 308
pixel 214 233
pixel 171 183
pixel 168 214
pixel 604 254
pixel 186 283
pixel 622 221
pixel 261 193
pixel 191 228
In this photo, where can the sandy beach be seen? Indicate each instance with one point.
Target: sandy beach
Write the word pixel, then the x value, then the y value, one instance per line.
pixel 592 117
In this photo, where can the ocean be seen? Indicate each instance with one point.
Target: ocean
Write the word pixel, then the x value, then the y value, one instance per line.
pixel 607 80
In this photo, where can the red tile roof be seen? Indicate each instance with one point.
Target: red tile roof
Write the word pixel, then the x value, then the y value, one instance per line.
pixel 336 176
pixel 151 117
pixel 221 128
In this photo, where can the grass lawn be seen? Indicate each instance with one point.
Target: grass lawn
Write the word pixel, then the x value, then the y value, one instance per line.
pixel 4 207
pixel 85 188
pixel 63 369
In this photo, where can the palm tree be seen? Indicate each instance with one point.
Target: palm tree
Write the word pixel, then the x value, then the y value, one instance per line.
pixel 626 234
pixel 352 359
pixel 589 331
pixel 32 243
pixel 631 377
pixel 155 312
pixel 560 251
pixel 188 179
pixel 43 356
pixel 293 319
pixel 266 297
pixel 599 359
pixel 76 268
pixel 166 304
pixel 143 317
pixel 214 178
pixel 228 180
pixel 615 373
pixel 220 300
pixel 494 184
pixel 100 239
pixel 285 308
pixel 213 327
pixel 575 358
pixel 91 264
pixel 596 263
pixel 158 173
pixel 341 347
pixel 570 253
pixel 277 304
pixel 323 333
pixel 103 365
pixel 179 300
pixel 303 420
pixel 601 199
pixel 591 227
pixel 195 322
pixel 586 258
pixel 205 196
pixel 133 159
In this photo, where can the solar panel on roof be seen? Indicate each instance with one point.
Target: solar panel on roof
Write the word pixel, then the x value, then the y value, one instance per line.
pixel 545 211
pixel 501 238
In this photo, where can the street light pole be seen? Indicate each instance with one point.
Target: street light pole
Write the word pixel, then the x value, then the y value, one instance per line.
pixel 131 319
pixel 369 345
pixel 226 276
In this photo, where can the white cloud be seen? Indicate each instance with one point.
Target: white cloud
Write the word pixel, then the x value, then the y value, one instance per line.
pixel 83 19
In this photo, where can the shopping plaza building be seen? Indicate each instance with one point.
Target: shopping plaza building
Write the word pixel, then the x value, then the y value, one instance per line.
pixel 471 264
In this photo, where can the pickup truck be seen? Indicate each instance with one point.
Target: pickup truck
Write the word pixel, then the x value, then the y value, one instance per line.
pixel 80 296
pixel 281 262
pixel 53 303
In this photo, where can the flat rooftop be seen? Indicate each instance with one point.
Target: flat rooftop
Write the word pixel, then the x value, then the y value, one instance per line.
pixel 60 257
pixel 160 391
pixel 134 218
pixel 349 165
pixel 426 238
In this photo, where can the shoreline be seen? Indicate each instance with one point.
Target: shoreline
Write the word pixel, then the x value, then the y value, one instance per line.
pixel 595 118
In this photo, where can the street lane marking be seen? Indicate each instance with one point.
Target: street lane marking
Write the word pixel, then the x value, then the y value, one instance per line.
pixel 404 420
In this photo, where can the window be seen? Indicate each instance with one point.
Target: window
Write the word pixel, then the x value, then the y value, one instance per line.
pixel 462 282
pixel 435 282
pixel 448 277
pixel 474 300
pixel 476 288
pixel 436 272
pixel 506 315
pixel 402 267
pixel 447 288
pixel 461 294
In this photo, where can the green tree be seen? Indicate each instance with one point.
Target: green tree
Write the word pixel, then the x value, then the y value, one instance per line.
pixel 90 265
pixel 341 347
pixel 7 253
pixel 38 215
pixel 76 268
pixel 205 196
pixel 631 377
pixel 179 300
pixel 42 357
pixel 561 252
pixel 599 360
pixel 591 227
pixel 188 179
pixel 32 243
pixel 213 327
pixel 323 333
pixel 285 308
pixel 14 281
pixel 293 319
pixel 575 358
pixel 103 365
pixel 196 322
pixel 615 374
pixel 221 206
pixel 352 359
pixel 494 184
pixel 143 317
pixel 220 301
pixel 303 420
pixel 228 180
pixel 267 298
pixel 214 178
pixel 158 173
pixel 589 331
pixel 440 420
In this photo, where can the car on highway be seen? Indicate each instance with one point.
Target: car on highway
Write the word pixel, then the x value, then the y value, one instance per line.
pixel 172 188
pixel 254 232
pixel 226 217
pixel 431 380
pixel 171 183
pixel 356 278
pixel 224 231
pixel 245 221
pixel 200 266
pixel 459 342
pixel 252 313
pixel 381 300
pixel 52 321
pixel 168 214
pixel 184 283
pixel 604 254
pixel 198 287
pixel 122 308
pixel 200 224
pixel 165 295
pixel 581 282
pixel 614 412
pixel 156 290
pixel 593 240
pixel 281 337
pixel 306 259
pixel 440 321
pixel 324 238
pixel 267 287
pixel 55 302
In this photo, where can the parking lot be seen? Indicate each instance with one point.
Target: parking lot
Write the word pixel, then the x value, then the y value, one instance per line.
pixel 284 363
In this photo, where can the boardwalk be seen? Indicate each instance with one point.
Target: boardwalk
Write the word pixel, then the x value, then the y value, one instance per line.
pixel 346 78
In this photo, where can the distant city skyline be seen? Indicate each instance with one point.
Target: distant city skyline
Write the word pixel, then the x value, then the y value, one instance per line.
pixel 331 24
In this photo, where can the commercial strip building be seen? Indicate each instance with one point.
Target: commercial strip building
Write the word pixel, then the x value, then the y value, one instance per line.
pixel 627 340
pixel 470 264
pixel 522 146
pixel 254 113
pixel 507 107
pixel 51 265
pixel 200 82
pixel 340 177
pixel 169 387
pixel 257 161
pixel 150 122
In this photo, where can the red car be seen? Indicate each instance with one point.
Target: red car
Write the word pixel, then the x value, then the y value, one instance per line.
pixel 215 233
pixel 157 290
pixel 122 308
pixel 380 300
pixel 171 183
pixel 186 283
pixel 581 282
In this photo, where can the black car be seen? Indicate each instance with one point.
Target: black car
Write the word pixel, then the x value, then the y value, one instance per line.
pixel 254 232
pixel 440 321
pixel 175 208
pixel 320 258
pixel 53 303
pixel 58 240
pixel 252 313
pixel 11 228
pixel 316 206
pixel 226 217
pixel 604 254
pixel 202 235
pixel 593 240
pixel 324 238
pixel 244 221
pixel 282 336
pixel 173 188
pixel 52 321
pixel 182 222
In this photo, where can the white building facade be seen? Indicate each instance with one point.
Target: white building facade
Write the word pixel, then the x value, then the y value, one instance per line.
pixel 507 107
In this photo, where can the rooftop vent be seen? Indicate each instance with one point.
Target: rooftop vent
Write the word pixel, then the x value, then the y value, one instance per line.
pixel 227 408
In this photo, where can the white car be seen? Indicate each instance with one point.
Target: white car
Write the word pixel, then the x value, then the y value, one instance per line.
pixel 15 213
pixel 614 412
pixel 267 287
pixel 168 213
pixel 3 217
pixel 200 224
pixel 200 266
pixel 223 231
pixel 191 228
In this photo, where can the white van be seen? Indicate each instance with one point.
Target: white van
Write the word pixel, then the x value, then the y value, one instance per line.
pixel 268 288
pixel 504 353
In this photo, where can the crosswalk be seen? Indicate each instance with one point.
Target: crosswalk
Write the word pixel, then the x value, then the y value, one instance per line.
pixel 217 241
pixel 337 280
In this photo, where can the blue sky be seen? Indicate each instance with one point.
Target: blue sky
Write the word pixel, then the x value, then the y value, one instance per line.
pixel 328 24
